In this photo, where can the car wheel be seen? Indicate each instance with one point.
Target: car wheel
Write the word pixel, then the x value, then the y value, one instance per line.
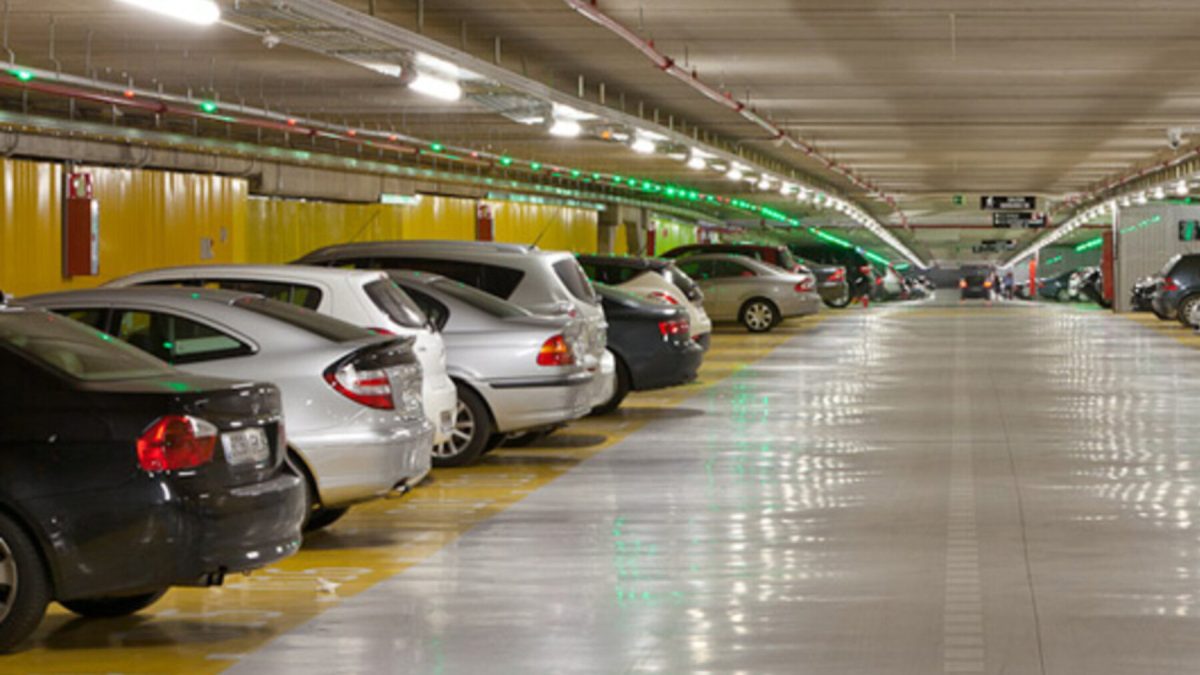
pixel 1063 295
pixel 24 586
pixel 1189 311
pixel 525 439
pixel 470 434
pixel 103 608
pixel 758 315
pixel 840 302
pixel 620 391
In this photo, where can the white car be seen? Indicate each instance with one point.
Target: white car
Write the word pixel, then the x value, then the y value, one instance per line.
pixel 363 298
pixel 656 279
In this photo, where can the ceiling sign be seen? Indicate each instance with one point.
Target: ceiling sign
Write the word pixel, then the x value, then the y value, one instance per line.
pixel 1018 219
pixel 994 246
pixel 1007 203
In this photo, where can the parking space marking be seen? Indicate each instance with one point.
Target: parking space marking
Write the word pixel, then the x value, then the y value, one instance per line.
pixel 207 630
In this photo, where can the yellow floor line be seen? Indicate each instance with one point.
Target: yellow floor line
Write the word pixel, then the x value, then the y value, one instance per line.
pixel 205 630
pixel 1172 328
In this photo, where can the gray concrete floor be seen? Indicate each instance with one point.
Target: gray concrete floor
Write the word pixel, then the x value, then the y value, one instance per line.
pixel 914 489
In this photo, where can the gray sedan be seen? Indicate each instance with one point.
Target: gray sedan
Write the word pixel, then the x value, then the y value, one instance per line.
pixel 515 371
pixel 351 399
pixel 753 293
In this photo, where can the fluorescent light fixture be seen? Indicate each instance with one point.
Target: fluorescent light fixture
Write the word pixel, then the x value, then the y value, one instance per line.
pixel 1181 188
pixel 734 174
pixel 389 69
pixel 1141 198
pixel 1126 201
pixel 764 184
pixel 432 64
pixel 804 195
pixel 643 146
pixel 197 12
pixel 566 112
pixel 436 87
pixel 565 129
pixel 696 162
pixel 1160 193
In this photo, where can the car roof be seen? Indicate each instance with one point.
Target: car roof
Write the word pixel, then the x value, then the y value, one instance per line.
pixel 426 245
pixel 633 262
pixel 146 294
pixel 310 272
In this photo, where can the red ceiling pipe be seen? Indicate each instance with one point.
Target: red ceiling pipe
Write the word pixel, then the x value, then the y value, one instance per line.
pixel 665 63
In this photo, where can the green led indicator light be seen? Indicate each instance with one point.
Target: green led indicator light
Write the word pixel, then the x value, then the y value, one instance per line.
pixel 576 173
pixel 536 166
pixel 21 74
pixel 506 161
pixel 436 147
pixel 209 107
pixel 595 176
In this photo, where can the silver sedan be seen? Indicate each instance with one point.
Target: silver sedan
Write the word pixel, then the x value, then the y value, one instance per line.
pixel 515 371
pixel 351 399
pixel 753 293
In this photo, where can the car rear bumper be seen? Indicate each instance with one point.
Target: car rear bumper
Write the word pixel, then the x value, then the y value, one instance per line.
pixel 357 465
pixel 440 399
pixel 976 293
pixel 529 403
pixel 800 304
pixel 667 367
pixel 151 534
pixel 835 293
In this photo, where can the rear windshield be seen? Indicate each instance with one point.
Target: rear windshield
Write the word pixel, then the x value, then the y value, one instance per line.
pixel 1166 270
pixel 786 260
pixel 683 282
pixel 74 349
pixel 575 280
pixel 484 302
pixel 394 302
pixel 334 330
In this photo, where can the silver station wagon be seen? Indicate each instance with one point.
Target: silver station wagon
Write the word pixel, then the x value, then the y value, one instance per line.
pixel 755 294
pixel 515 371
pixel 544 282
pixel 351 399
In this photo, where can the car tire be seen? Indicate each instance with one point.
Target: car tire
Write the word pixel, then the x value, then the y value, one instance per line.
pixel 1187 307
pixel 24 585
pixel 841 302
pixel 620 391
pixel 1063 295
pixel 494 441
pixel 323 518
pixel 759 315
pixel 524 439
pixel 107 608
pixel 473 428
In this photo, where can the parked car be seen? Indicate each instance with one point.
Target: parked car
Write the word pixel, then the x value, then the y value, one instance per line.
pixel 121 476
pixel 1091 286
pixel 860 273
pixel 1142 295
pixel 1178 295
pixel 832 285
pixel 751 292
pixel 977 282
pixel 365 298
pixel 772 254
pixel 1057 287
pixel 652 342
pixel 355 425
pixel 515 371
pixel 889 285
pixel 544 282
pixel 656 279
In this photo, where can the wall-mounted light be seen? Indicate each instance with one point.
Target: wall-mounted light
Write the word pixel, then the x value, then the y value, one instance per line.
pixel 1181 188
pixel 565 129
pixel 197 12
pixel 1160 193
pixel 643 146
pixel 734 174
pixel 696 162
pixel 436 87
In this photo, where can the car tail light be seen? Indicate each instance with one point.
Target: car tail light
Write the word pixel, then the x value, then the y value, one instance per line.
pixel 804 286
pixel 176 442
pixel 987 284
pixel 382 331
pixel 865 269
pixel 673 328
pixel 664 297
pixel 556 352
pixel 1170 284
pixel 962 283
pixel 371 388
pixel 879 281
pixel 838 275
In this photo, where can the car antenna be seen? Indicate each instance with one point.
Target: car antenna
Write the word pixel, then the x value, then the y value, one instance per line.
pixel 541 234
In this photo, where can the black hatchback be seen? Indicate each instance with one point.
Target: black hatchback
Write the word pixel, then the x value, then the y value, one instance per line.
pixel 1178 295
pixel 121 476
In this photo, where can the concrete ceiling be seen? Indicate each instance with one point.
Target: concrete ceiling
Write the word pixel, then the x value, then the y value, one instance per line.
pixel 926 98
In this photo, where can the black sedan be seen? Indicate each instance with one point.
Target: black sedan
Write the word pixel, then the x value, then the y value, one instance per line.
pixel 652 344
pixel 121 477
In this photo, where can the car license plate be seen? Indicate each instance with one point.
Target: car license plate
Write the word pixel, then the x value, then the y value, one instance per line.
pixel 248 446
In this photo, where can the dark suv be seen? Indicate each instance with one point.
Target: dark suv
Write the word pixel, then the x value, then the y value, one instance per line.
pixel 1178 296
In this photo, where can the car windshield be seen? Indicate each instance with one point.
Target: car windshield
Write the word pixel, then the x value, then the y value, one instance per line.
pixel 334 330
pixel 575 280
pixel 74 349
pixel 393 301
pixel 1166 270
pixel 484 302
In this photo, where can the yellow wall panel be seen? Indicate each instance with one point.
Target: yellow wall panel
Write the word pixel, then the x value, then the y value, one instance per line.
pixel 671 233
pixel 147 219
pixel 281 230
pixel 553 227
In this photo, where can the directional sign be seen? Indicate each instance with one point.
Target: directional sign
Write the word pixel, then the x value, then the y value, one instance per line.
pixel 994 245
pixel 1018 219
pixel 1007 203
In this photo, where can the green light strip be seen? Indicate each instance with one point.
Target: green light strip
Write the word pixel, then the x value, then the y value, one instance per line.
pixel 1054 260
pixel 1090 244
